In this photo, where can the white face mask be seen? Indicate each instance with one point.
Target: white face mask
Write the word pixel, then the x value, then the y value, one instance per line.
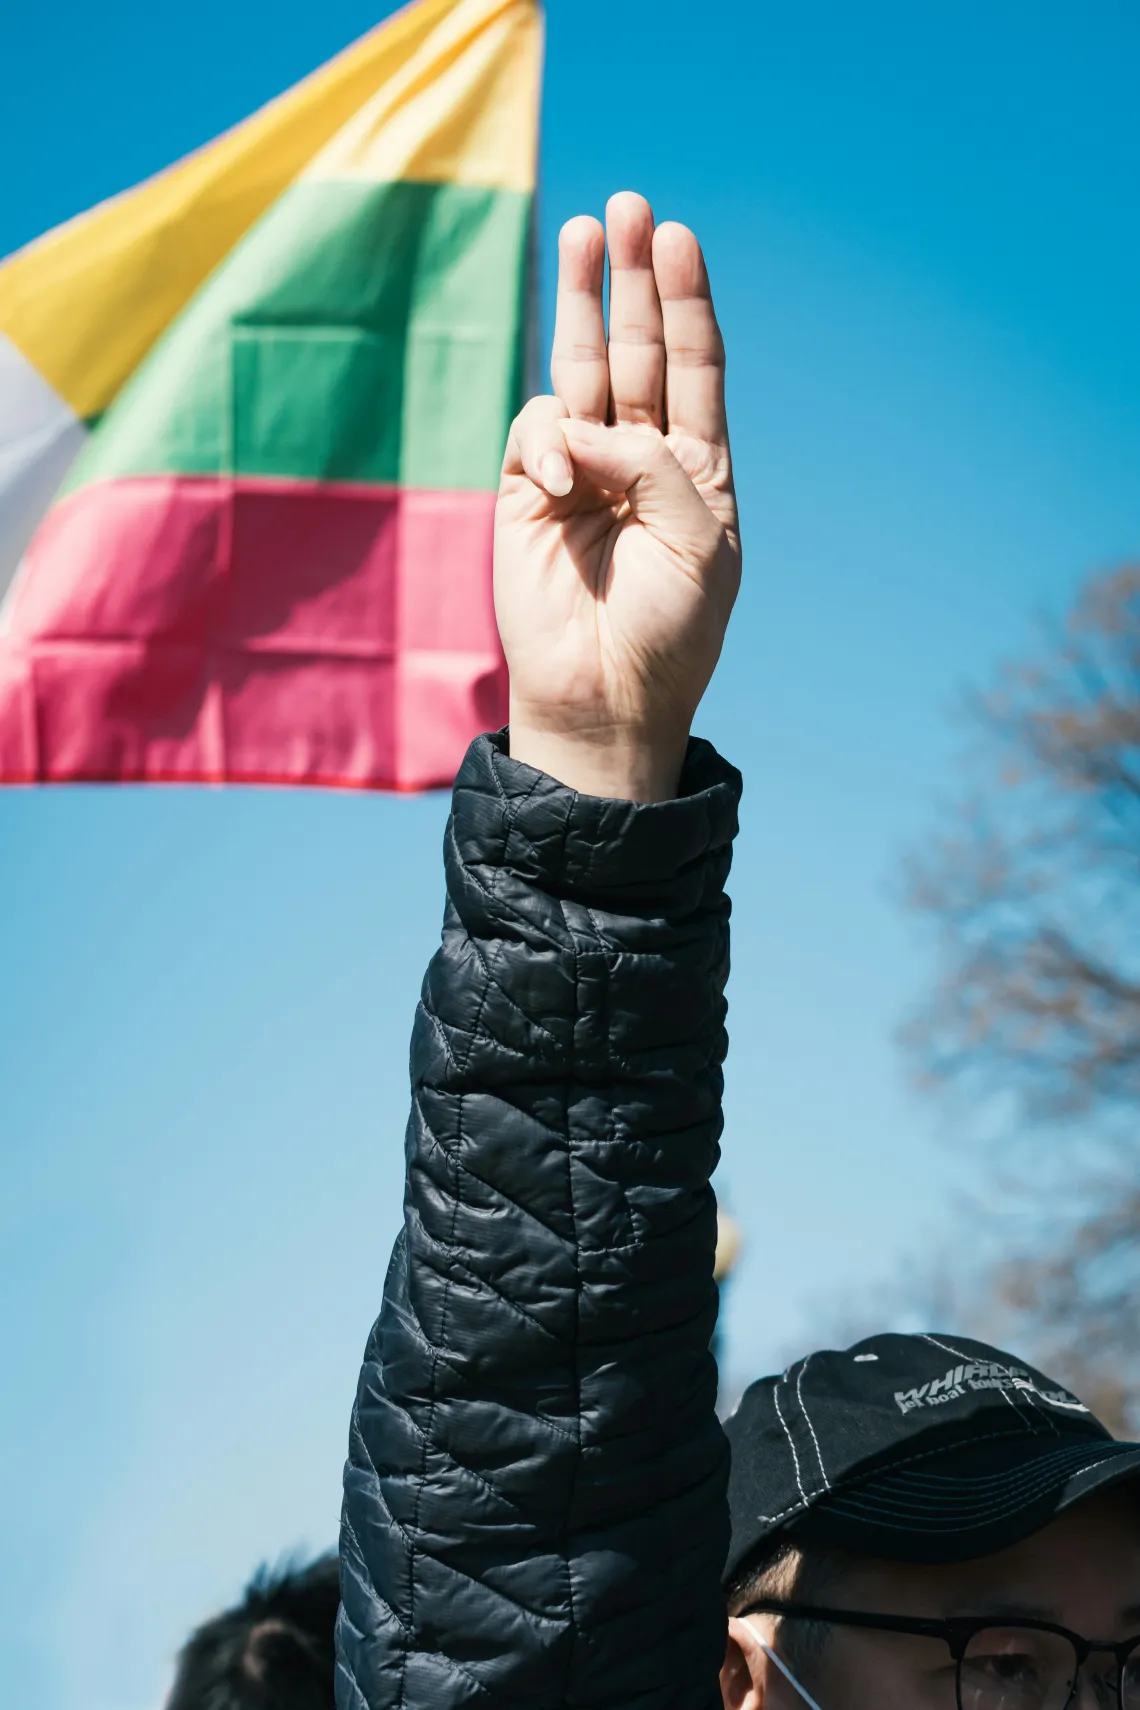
pixel 788 1675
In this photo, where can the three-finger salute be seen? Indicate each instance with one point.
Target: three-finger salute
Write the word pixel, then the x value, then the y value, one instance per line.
pixel 617 549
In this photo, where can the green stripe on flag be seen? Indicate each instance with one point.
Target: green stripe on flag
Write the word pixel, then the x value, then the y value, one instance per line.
pixel 360 332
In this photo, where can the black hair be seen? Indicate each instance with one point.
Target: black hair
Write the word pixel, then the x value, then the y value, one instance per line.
pixel 780 1568
pixel 274 1651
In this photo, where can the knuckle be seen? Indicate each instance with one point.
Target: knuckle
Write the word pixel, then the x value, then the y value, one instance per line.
pixel 580 350
pixel 645 414
pixel 696 355
pixel 547 406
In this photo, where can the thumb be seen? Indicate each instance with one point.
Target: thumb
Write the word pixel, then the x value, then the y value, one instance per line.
pixel 638 463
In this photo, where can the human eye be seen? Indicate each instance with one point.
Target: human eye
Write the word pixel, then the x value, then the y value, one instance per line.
pixel 1017 1668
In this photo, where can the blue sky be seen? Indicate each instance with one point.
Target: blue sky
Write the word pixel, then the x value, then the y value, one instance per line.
pixel 921 226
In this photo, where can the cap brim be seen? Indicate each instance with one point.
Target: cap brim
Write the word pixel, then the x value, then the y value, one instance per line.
pixel 956 1505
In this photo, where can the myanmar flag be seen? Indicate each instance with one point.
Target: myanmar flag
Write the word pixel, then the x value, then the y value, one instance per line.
pixel 251 420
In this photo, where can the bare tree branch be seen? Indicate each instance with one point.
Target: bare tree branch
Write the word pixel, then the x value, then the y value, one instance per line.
pixel 1032 891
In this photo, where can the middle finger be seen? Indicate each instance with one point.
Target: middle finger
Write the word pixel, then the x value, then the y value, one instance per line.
pixel 637 332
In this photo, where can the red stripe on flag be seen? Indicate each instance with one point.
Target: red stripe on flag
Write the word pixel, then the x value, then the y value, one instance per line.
pixel 187 630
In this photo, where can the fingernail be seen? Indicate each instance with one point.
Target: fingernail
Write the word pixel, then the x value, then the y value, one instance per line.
pixel 557 475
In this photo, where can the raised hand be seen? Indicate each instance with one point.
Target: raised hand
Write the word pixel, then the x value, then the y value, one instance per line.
pixel 617 549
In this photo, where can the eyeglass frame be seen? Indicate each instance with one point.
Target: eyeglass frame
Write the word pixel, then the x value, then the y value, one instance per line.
pixel 956 1631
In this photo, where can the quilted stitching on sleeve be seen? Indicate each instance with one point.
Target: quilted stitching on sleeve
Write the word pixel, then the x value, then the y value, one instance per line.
pixel 534 1508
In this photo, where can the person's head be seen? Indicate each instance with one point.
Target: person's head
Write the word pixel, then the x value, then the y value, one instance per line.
pixel 970 1498
pixel 274 1651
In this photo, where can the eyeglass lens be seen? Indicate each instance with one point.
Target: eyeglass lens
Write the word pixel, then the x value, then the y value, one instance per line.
pixel 1130 1681
pixel 1018 1668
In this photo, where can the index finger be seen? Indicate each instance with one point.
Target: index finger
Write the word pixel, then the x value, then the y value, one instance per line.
pixel 579 365
pixel 694 349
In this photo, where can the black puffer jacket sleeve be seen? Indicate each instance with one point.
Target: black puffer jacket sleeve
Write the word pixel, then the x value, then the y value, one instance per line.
pixel 534 1510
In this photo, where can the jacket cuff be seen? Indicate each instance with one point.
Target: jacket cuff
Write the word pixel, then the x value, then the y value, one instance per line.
pixel 507 814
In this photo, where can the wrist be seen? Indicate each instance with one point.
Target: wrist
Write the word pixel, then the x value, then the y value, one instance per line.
pixel 617 765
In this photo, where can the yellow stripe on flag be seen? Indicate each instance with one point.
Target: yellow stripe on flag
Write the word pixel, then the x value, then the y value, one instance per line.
pixel 464 110
pixel 86 302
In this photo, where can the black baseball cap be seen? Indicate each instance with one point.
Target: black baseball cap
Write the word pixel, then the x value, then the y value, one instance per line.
pixel 914 1448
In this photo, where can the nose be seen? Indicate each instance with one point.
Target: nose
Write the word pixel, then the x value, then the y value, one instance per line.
pixel 1096 1689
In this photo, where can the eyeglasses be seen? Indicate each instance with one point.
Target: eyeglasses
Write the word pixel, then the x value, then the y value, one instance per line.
pixel 1001 1665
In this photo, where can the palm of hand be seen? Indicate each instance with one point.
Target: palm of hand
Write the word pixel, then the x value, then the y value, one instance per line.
pixel 614 583
pixel 609 618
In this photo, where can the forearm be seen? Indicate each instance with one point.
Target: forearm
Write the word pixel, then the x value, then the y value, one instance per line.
pixel 617 765
pixel 536 1479
pixel 534 1504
